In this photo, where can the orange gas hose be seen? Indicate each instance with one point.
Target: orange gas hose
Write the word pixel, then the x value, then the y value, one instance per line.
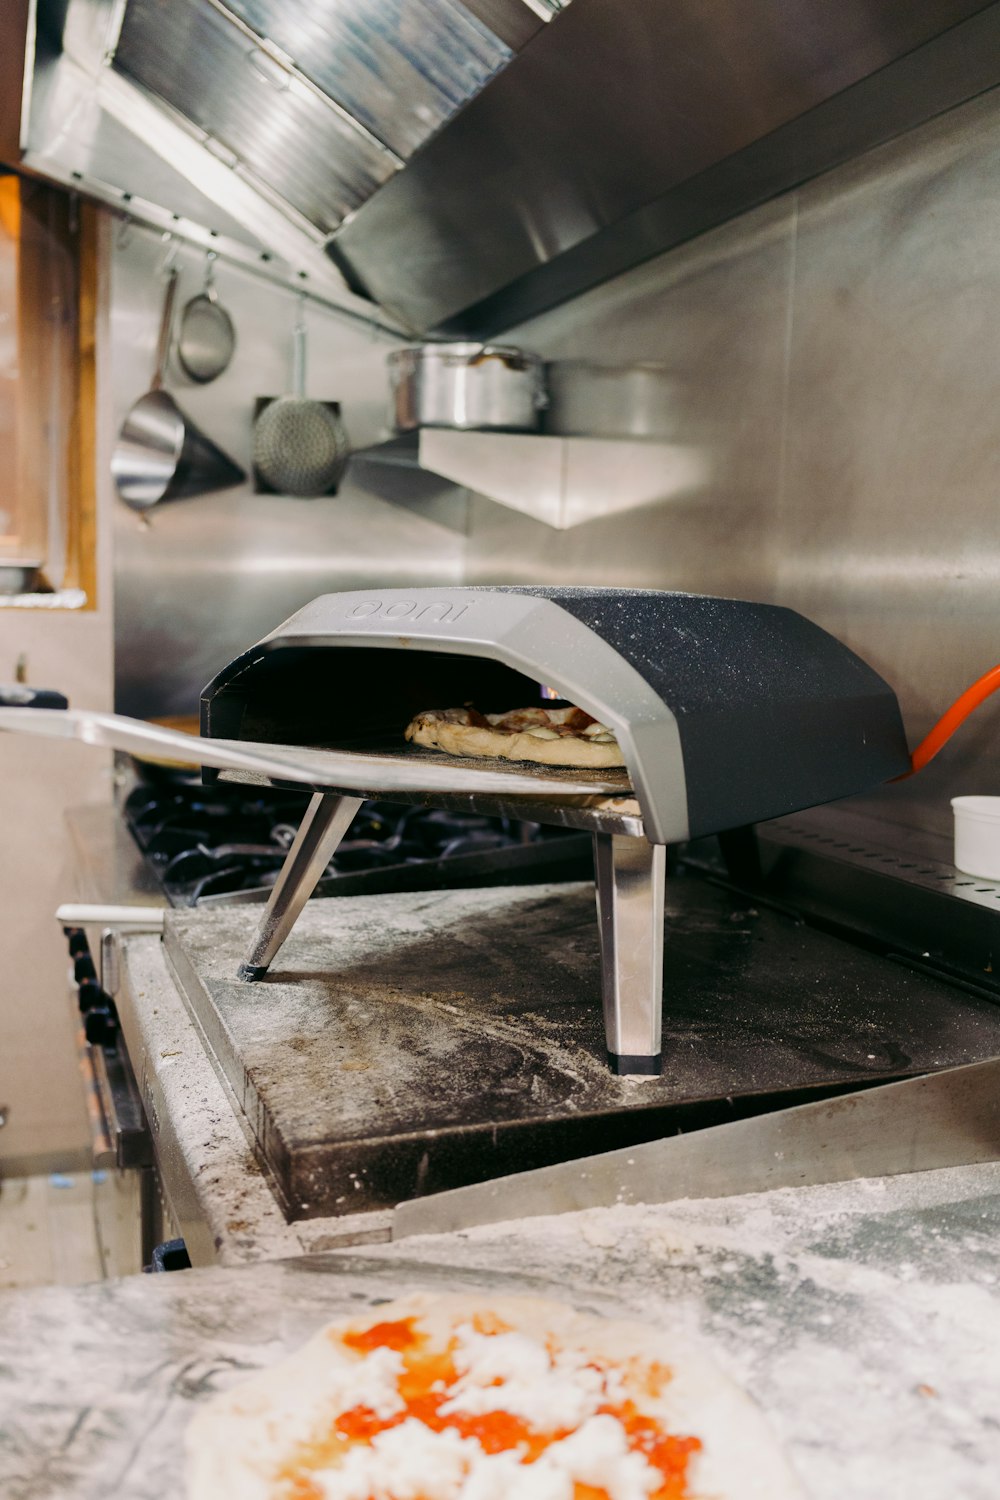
pixel 951 719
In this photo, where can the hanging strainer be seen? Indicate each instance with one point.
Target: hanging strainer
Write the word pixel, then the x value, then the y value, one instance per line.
pixel 299 446
pixel 207 337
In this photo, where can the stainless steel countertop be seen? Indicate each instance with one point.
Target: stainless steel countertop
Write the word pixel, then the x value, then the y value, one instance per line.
pixel 108 866
pixel 861 1316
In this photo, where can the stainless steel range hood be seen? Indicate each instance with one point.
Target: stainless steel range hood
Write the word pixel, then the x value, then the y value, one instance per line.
pixel 625 128
pixel 461 162
pixel 253 123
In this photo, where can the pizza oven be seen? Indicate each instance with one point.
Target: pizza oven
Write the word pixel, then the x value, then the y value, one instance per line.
pixel 727 713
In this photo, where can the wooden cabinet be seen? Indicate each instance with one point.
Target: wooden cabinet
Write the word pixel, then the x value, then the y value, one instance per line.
pixel 47 334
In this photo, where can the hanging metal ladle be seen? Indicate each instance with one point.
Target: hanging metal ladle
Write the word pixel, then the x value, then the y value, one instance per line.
pixel 160 453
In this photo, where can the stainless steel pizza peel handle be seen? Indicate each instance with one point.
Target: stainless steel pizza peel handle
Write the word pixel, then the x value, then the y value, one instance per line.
pixel 344 770
pixel 327 819
pixel 629 870
pixel 945 1119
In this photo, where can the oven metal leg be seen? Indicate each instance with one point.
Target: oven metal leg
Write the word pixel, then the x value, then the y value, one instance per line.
pixel 630 875
pixel 326 821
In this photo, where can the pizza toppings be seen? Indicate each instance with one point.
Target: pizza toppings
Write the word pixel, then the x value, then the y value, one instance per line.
pixel 468 1397
pixel 511 1372
pixel 555 736
pixel 410 1462
pixel 493 1414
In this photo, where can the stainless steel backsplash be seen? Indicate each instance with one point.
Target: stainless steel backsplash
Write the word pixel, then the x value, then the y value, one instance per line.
pixel 197 581
pixel 834 359
pixel 836 356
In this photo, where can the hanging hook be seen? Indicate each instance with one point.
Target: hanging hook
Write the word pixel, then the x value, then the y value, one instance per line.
pixel 124 236
pixel 169 240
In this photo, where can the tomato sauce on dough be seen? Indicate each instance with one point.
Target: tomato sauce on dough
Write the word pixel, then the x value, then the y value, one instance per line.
pixel 425 1386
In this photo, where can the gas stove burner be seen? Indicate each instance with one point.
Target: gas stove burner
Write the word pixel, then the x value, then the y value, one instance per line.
pixel 228 843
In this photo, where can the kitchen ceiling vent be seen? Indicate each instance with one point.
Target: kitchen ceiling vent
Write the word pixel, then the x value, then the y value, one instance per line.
pixel 460 163
pixel 319 105
pixel 400 69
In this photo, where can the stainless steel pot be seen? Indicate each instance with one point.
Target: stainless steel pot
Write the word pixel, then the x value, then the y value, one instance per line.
pixel 466 385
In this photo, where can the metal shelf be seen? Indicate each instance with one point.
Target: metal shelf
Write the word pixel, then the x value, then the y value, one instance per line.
pixel 559 481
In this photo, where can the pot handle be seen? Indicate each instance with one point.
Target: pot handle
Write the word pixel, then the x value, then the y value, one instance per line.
pixel 299 349
pixel 519 363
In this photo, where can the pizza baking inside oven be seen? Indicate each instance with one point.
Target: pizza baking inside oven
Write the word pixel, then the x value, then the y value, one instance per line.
pixel 548 736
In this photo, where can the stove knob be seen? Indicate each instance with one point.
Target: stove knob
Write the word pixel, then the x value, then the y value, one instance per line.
pixel 100 1026
pixel 84 968
pixel 90 995
pixel 77 940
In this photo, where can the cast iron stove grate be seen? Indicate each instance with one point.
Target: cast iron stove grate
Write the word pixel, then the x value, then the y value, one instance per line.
pixel 227 844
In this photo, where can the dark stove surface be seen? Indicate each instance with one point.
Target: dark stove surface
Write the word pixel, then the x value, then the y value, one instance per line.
pixel 413 1043
pixel 226 843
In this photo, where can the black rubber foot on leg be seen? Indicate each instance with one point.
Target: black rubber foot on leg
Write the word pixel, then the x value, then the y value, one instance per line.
pixel 250 972
pixel 648 1066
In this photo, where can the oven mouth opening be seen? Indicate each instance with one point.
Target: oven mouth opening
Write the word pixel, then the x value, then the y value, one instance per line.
pixel 358 698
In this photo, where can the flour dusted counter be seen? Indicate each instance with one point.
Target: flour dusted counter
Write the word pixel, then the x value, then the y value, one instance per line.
pixel 861 1316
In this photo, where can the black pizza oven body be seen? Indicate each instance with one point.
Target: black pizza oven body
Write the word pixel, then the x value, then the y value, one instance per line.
pixel 727 712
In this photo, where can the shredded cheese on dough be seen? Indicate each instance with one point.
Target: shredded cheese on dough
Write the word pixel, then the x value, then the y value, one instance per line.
pixel 409 1462
pixel 448 1398
pixel 553 1390
pixel 511 1372
pixel 374 1382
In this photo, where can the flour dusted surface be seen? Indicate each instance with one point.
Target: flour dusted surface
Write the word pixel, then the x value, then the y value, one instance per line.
pixel 860 1314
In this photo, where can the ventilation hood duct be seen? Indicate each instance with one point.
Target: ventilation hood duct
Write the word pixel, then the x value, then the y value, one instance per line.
pixel 465 164
pixel 628 126
pixel 257 125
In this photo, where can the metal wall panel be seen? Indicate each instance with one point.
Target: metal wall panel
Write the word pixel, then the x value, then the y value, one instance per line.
pixel 836 358
pixel 197 581
pixel 889 531
pixel 714 314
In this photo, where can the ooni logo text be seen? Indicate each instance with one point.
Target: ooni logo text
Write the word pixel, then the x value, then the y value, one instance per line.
pixel 441 611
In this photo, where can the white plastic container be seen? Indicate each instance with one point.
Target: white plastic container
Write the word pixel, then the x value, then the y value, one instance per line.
pixel 977 836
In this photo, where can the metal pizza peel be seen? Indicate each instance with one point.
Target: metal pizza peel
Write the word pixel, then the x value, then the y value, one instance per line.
pixel 945 1119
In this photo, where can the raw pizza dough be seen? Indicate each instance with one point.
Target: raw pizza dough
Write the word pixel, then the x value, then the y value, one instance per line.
pixel 525 1399
pixel 548 736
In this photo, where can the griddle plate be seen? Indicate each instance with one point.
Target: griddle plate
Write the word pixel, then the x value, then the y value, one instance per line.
pixel 408 1043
